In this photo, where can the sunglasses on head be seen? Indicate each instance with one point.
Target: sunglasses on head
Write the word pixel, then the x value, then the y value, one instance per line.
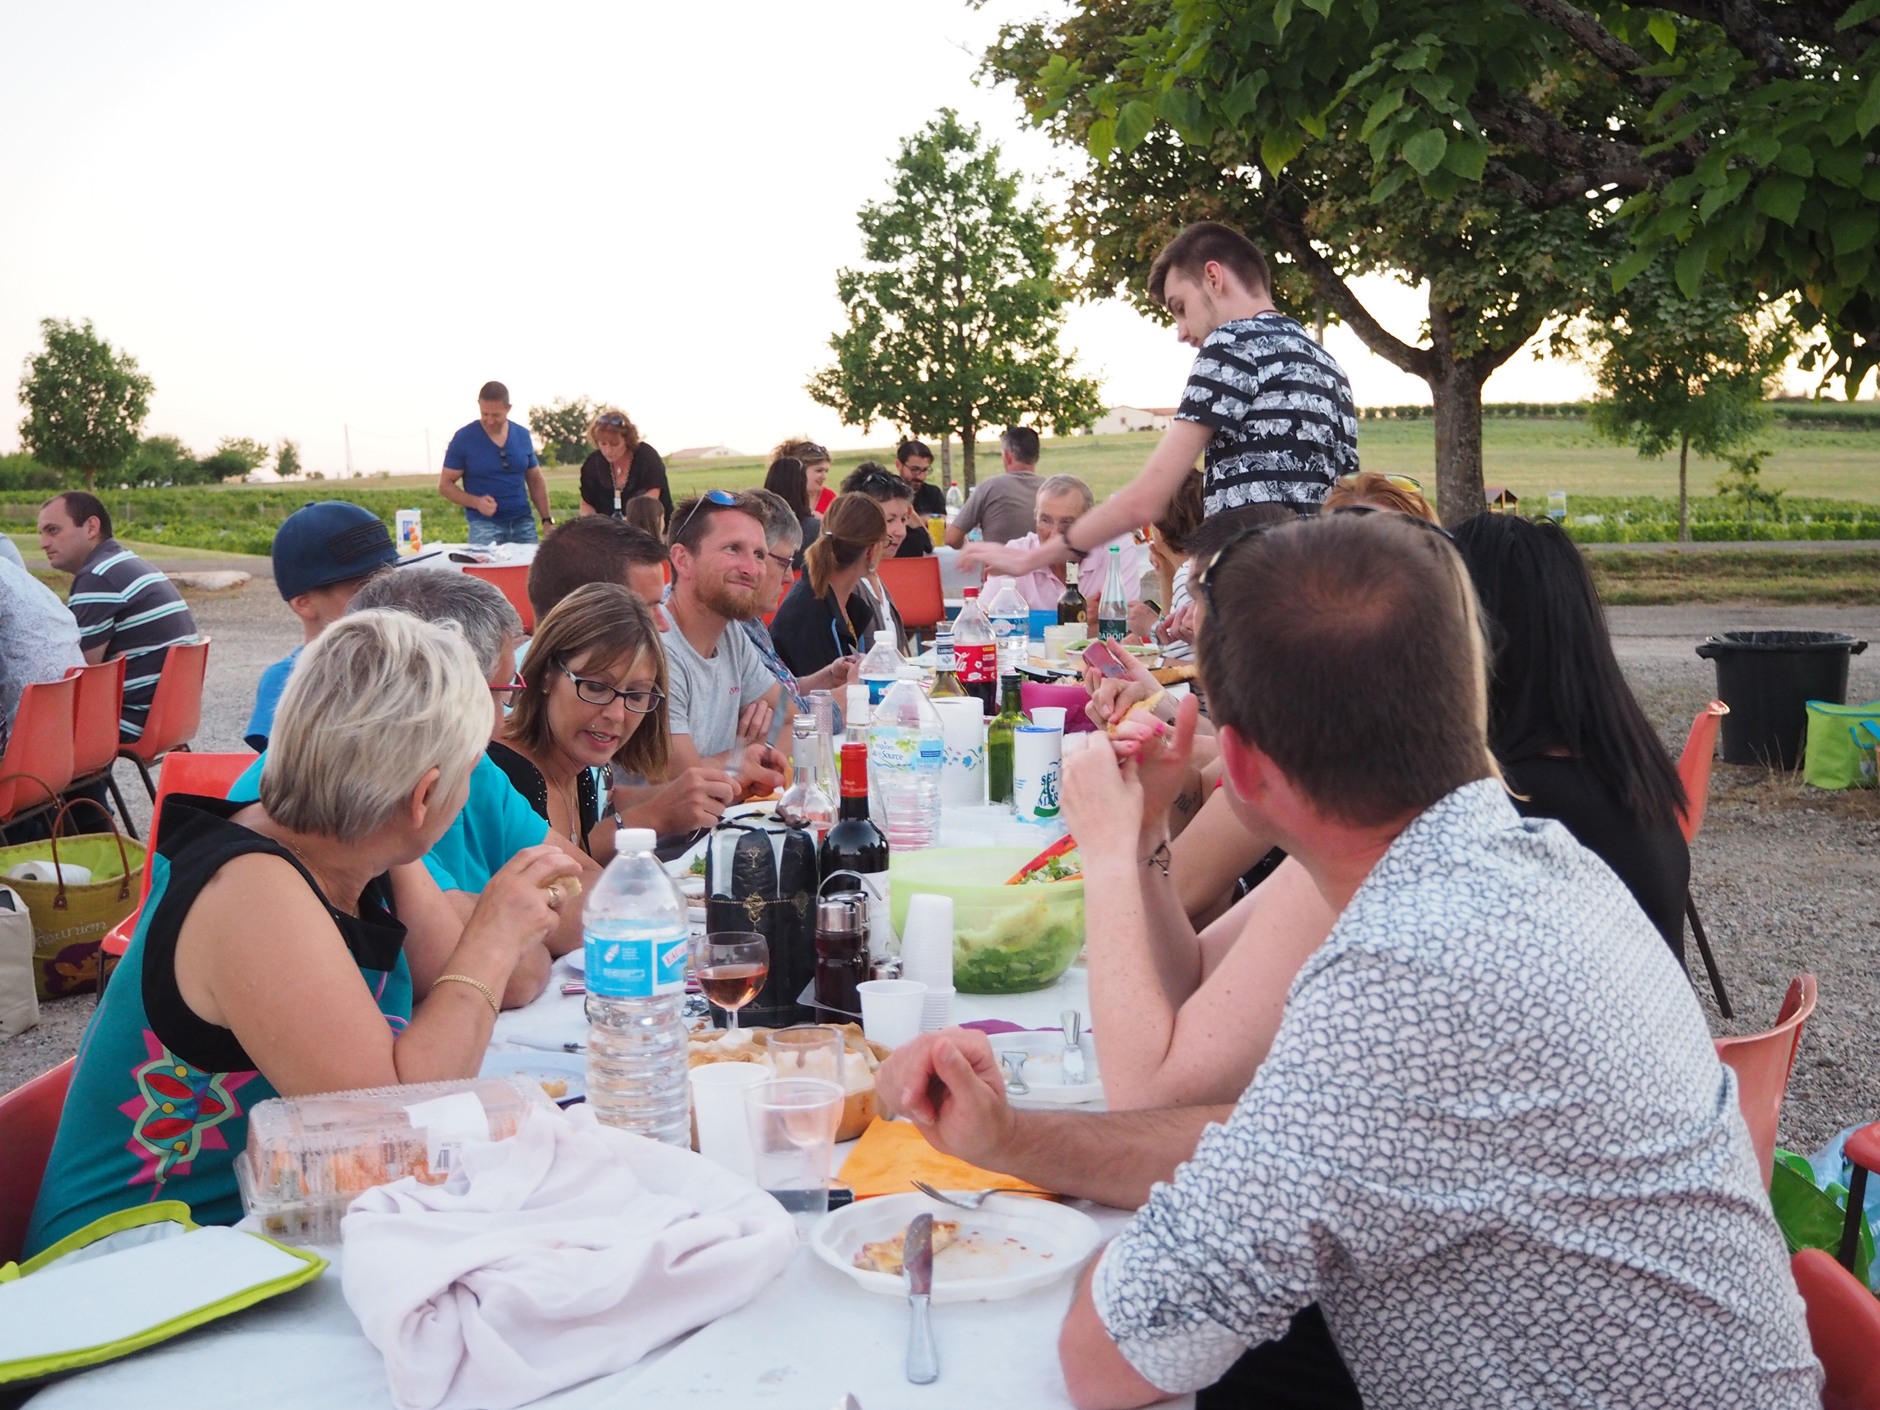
pixel 612 418
pixel 722 498
pixel 809 453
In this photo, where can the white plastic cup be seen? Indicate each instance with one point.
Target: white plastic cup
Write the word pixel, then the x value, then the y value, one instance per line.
pixel 1036 774
pixel 937 1012
pixel 1048 717
pixel 963 762
pixel 892 1010
pixel 927 941
pixel 724 1132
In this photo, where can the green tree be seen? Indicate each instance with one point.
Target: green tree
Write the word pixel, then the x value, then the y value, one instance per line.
pixel 1689 372
pixel 85 401
pixel 561 430
pixel 953 320
pixel 253 454
pixel 287 459
pixel 1742 482
pixel 159 460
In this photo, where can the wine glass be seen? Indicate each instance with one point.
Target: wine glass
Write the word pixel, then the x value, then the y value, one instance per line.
pixel 731 966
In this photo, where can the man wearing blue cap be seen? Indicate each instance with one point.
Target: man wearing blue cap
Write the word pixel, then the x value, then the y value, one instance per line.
pixel 322 553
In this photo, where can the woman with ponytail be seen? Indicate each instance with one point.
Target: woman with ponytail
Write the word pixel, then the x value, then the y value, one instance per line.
pixel 824 618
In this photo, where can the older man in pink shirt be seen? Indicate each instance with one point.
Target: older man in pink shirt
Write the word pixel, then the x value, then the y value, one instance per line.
pixel 1062 501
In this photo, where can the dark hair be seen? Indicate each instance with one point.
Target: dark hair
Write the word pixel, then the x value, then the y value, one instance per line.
pixel 911 447
pixel 646 513
pixel 1022 442
pixel 1183 515
pixel 692 518
pixel 603 618
pixel 80 506
pixel 594 548
pixel 1218 530
pixel 853 525
pixel 1209 242
pixel 1554 683
pixel 878 482
pixel 786 480
pixel 494 391
pixel 1347 649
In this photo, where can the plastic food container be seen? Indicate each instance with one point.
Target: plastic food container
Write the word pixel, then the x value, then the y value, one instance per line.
pixel 1006 939
pixel 308 1157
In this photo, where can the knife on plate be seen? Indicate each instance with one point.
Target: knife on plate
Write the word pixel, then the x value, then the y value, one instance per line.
pixel 1073 1070
pixel 923 1362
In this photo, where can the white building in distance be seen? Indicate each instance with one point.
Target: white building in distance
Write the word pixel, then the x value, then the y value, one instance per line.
pixel 1133 418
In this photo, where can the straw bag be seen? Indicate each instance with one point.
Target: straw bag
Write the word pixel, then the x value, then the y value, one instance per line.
pixel 1841 742
pixel 70 918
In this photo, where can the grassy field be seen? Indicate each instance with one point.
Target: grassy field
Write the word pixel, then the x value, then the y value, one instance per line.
pixel 1849 579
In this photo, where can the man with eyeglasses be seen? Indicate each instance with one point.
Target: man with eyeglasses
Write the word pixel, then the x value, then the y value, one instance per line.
pixel 491 470
pixel 721 699
pixel 912 460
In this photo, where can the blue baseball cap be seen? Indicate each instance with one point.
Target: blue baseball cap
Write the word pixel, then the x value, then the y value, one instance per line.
pixel 329 542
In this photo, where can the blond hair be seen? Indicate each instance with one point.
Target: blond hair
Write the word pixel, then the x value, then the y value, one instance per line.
pixel 1379 491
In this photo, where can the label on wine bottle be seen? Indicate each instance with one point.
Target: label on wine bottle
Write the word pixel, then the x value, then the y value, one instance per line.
pixel 976 664
pixel 881 937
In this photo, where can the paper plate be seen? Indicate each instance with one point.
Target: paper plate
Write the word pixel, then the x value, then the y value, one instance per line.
pixel 557 1072
pixel 1044 1068
pixel 1009 1245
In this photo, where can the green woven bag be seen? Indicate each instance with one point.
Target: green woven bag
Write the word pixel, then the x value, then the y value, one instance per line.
pixel 1841 740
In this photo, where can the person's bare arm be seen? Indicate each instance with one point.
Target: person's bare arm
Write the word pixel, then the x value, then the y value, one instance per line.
pixel 956 536
pixel 696 797
pixel 526 981
pixel 949 1085
pixel 587 509
pixel 450 485
pixel 538 491
pixel 95 654
pixel 1096 1373
pixel 1213 852
pixel 567 935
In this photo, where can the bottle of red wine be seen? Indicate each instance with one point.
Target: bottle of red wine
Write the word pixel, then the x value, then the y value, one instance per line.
pixel 855 844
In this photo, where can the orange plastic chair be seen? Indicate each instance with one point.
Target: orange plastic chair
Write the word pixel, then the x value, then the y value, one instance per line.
pixel 1844 1327
pixel 512 580
pixel 1694 765
pixel 175 710
pixel 37 765
pixel 913 586
pixel 95 716
pixel 1763 1062
pixel 29 1119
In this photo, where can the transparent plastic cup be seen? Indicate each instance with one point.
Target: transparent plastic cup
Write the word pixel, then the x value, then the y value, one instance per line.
pixel 793 1137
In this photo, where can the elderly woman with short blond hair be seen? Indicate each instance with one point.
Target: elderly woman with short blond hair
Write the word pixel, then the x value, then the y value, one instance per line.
pixel 295 944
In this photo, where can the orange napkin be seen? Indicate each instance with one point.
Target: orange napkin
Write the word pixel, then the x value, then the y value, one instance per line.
pixel 891 1155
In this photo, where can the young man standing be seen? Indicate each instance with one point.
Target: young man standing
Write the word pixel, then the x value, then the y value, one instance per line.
pixel 1491 1139
pixel 491 470
pixel 721 697
pixel 1271 409
pixel 123 606
pixel 1001 508
pixel 914 460
pixel 322 553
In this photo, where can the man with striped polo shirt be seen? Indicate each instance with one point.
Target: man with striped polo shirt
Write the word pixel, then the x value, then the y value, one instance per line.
pixel 124 607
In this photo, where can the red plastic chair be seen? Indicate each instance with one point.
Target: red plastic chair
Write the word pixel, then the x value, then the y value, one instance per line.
pixel 1072 697
pixel 37 766
pixel 175 710
pixel 913 586
pixel 29 1119
pixel 1694 773
pixel 1844 1327
pixel 95 716
pixel 1763 1062
pixel 512 580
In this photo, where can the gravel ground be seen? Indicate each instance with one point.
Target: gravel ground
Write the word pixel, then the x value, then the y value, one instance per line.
pixel 1785 876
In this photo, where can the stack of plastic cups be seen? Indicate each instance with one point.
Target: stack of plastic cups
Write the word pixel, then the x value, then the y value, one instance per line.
pixel 927 955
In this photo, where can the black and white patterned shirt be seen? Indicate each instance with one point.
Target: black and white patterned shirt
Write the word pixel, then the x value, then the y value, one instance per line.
pixel 1285 425
pixel 1494 1143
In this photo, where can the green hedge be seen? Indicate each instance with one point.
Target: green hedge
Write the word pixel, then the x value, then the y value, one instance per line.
pixel 1654 519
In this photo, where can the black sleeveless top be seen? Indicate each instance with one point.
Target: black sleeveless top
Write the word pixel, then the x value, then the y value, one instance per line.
pixel 531 785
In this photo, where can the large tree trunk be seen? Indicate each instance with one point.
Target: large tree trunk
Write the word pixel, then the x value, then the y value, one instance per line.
pixel 1684 497
pixel 969 442
pixel 1456 391
pixel 946 461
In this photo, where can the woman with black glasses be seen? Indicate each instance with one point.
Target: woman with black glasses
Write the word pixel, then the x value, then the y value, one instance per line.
pixel 622 468
pixel 593 694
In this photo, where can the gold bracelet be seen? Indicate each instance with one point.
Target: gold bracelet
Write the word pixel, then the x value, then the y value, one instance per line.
pixel 476 984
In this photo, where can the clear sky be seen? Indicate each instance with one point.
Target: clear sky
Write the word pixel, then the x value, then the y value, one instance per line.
pixel 300 218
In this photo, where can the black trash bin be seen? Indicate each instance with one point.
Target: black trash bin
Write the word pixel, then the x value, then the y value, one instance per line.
pixel 1767 680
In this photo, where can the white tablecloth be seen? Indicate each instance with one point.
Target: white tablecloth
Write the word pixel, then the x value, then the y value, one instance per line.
pixel 438 555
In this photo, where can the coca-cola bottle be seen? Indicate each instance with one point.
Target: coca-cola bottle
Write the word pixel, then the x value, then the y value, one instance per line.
pixel 976 654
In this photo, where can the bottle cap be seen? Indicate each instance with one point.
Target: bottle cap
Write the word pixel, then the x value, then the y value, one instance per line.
pixel 969 592
pixel 840 914
pixel 907 671
pixel 884 635
pixel 634 839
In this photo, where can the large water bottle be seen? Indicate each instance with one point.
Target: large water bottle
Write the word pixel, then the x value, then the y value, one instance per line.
pixel 906 747
pixel 634 924
pixel 1011 626
pixel 881 665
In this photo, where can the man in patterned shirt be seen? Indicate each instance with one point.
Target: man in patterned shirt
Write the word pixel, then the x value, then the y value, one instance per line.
pixel 124 607
pixel 1269 408
pixel 1491 1140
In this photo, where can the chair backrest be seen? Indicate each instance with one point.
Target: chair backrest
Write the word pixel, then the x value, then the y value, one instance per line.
pixel 913 586
pixel 95 714
pixel 29 1119
pixel 1844 1326
pixel 1763 1062
pixel 176 707
pixel 1072 697
pixel 512 580
pixel 1694 765
pixel 40 746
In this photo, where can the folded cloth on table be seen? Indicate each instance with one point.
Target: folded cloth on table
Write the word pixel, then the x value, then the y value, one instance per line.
pixel 566 1252
pixel 891 1155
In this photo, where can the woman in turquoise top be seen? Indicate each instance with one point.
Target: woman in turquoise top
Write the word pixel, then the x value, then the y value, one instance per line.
pixel 282 942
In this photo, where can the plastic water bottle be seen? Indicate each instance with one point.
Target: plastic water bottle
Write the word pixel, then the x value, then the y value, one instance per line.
pixel 635 929
pixel 1011 626
pixel 956 497
pixel 906 747
pixel 880 665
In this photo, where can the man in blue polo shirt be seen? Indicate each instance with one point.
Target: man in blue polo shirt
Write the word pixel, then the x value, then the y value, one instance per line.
pixel 491 470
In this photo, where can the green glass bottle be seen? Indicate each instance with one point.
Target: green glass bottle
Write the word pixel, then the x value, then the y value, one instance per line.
pixel 999 742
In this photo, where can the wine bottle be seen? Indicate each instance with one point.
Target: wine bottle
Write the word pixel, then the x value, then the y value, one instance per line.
pixel 806 803
pixel 1000 743
pixel 1113 606
pixel 946 683
pixel 855 844
pixel 1071 607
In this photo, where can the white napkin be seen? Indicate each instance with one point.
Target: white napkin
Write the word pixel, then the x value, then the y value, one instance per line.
pixel 566 1252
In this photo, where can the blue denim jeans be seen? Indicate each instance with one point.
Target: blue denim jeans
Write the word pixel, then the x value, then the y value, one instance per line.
pixel 488 531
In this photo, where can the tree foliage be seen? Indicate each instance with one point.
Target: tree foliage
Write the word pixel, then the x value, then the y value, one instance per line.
pixel 953 320
pixel 287 459
pixel 251 453
pixel 85 401
pixel 560 430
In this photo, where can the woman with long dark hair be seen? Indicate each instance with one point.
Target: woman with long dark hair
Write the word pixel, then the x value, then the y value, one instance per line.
pixel 787 481
pixel 824 618
pixel 1573 743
